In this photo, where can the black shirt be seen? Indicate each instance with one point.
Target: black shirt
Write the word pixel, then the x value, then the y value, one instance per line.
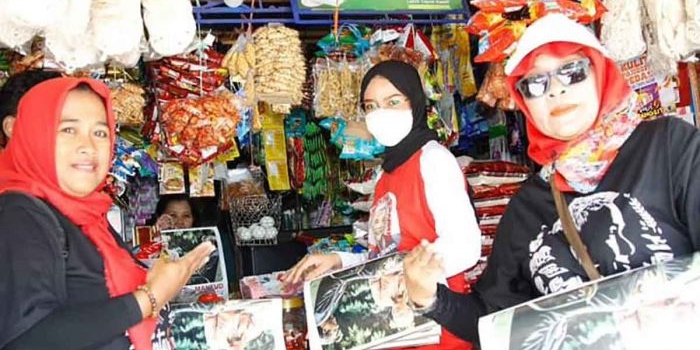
pixel 645 210
pixel 48 301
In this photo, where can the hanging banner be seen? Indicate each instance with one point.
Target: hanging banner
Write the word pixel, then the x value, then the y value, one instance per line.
pixel 384 5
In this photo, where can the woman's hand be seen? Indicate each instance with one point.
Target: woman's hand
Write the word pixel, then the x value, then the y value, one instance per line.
pixel 423 269
pixel 166 278
pixel 312 266
pixel 165 222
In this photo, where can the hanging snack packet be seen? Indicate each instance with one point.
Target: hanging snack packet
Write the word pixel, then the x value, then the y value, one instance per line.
pixel 172 178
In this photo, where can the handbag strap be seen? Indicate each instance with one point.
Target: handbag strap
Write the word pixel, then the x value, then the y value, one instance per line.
pixel 571 233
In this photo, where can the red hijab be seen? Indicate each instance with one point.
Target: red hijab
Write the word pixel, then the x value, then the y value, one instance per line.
pixel 612 88
pixel 28 165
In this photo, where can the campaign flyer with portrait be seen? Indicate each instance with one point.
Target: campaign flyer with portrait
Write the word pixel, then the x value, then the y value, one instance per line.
pixel 231 325
pixel 652 307
pixel 365 307
pixel 210 281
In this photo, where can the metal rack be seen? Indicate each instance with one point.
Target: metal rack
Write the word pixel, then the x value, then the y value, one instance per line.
pixel 216 13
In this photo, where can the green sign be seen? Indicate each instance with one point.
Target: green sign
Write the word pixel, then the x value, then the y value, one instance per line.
pixel 381 5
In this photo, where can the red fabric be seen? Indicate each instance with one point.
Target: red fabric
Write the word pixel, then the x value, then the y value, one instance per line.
pixel 28 165
pixel 612 91
pixel 417 223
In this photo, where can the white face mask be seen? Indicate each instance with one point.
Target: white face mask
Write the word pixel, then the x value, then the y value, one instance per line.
pixel 389 126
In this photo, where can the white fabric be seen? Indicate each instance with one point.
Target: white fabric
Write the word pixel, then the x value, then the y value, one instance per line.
pixel 171 25
pixel 69 41
pixel 660 63
pixel 14 36
pixel 692 10
pixel 117 26
pixel 32 14
pixel 459 236
pixel 669 22
pixel 551 28
pixel 621 31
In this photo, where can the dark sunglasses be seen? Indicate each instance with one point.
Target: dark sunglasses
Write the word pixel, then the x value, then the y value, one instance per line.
pixel 537 85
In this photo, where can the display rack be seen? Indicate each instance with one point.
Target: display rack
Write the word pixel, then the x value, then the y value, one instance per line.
pixel 217 13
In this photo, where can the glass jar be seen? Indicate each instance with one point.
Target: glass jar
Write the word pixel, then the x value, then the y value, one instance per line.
pixel 294 321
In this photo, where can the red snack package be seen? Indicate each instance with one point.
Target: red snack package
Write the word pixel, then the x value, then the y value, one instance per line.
pixel 592 11
pixel 498 5
pixel 497 167
pixel 499 42
pixel 490 211
pixel 488 230
pixel 483 21
pixel 201 128
pixel 482 191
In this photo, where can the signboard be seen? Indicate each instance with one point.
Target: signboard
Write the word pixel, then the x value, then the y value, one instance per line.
pixel 657 96
pixel 384 5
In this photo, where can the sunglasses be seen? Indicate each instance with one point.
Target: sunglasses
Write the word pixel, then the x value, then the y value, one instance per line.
pixel 537 85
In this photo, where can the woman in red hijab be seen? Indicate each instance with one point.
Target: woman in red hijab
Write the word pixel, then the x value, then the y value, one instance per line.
pixel 68 282
pixel 630 184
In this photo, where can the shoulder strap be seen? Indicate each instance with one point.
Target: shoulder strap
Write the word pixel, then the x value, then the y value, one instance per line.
pixel 571 233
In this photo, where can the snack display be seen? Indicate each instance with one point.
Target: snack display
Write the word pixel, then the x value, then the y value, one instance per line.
pixel 189 75
pixel 494 91
pixel 171 178
pixel 201 181
pixel 198 129
pixel 128 103
pixel 280 69
pixel 170 24
pixel 501 23
pixel 337 88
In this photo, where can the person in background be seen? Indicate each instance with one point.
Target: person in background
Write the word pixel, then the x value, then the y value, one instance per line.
pixel 175 212
pixel 631 185
pixel 68 281
pixel 421 194
pixel 11 92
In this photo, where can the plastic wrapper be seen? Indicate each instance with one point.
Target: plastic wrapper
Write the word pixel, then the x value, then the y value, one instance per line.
pixel 498 5
pixel 265 286
pixel 481 192
pixel 199 129
pixel 498 43
pixel 33 15
pixel 502 23
pixel 490 211
pixel 280 69
pixel 390 51
pixel 494 91
pixel 352 147
pixel 171 25
pixel 172 178
pixel 202 181
pixel 496 167
pixel 128 103
pixel 337 87
pixel 116 26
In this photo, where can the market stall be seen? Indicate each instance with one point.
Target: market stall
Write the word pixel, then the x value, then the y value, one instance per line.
pixel 251 110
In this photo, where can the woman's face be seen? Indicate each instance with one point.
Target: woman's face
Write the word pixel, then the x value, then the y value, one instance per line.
pixel 381 93
pixel 181 213
pixel 564 111
pixel 83 145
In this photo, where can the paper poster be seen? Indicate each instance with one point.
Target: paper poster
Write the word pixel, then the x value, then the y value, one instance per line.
pixel 653 307
pixel 657 96
pixel 364 307
pixel 235 325
pixel 208 280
